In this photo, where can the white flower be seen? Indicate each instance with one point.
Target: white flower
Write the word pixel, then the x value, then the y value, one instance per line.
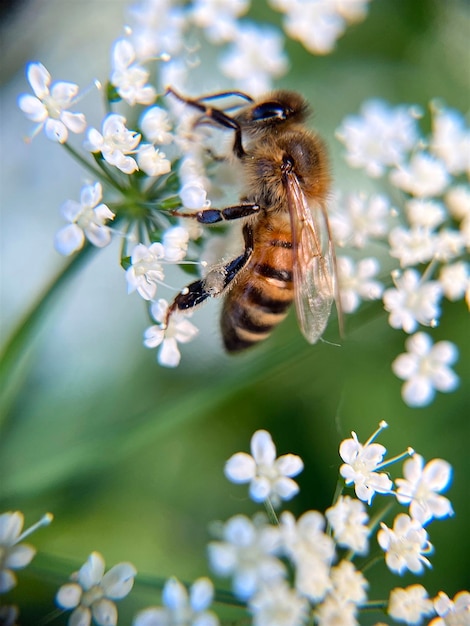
pixel 409 605
pixel 404 545
pixel 87 220
pixel 424 176
pixel 412 302
pixel 455 280
pixel 355 282
pixel 425 367
pixel 424 212
pixel 454 612
pixel 451 139
pixel 129 77
pixel 248 555
pixel 449 244
pixel 175 243
pixel 333 612
pixel 181 608
pixel 218 17
pixel 193 195
pixel 315 24
pixel 278 605
pixel 179 330
pixel 14 554
pixel 156 126
pixel 361 463
pixel 348 519
pixel 349 585
pixel 157 28
pixel 360 219
pixel 145 271
pixel 311 550
pixel 420 488
pixel 457 200
pixel 152 161
pixel 379 137
pixel 49 107
pixel 255 56
pixel 268 477
pixel 115 144
pixel 412 246
pixel 92 593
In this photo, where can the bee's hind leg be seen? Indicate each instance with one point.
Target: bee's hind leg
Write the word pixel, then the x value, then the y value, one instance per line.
pixel 216 281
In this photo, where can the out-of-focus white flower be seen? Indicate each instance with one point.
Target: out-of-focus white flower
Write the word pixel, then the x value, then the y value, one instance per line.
pixel 129 78
pixel 424 176
pixel 194 196
pixel 49 107
pixel 278 605
pixel 424 212
pixel 449 244
pixel 218 17
pixel 157 28
pixel 426 368
pixel 412 302
pixel 116 143
pixel 457 200
pixel 92 593
pixel 454 612
pixel 355 282
pixel 87 220
pixel 152 161
pixel 359 219
pixel 349 585
pixel 181 608
pixel 421 486
pixel 379 137
pixel 13 553
pixel 450 139
pixel 175 243
pixel 455 280
pixel 412 246
pixel 348 519
pixel 361 463
pixel 404 545
pixel 269 478
pixel 179 330
pixel 254 58
pixel 334 612
pixel 145 271
pixel 410 605
pixel 311 550
pixel 156 125
pixel 248 554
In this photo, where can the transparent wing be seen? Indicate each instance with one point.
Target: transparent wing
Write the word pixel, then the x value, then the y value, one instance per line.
pixel 314 262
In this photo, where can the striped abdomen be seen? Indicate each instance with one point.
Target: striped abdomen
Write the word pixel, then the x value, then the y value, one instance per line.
pixel 262 293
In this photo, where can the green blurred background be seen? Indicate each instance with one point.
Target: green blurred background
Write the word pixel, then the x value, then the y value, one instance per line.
pixel 129 456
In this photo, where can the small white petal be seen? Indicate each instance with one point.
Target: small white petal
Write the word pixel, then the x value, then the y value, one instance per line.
pixel 68 596
pixel 169 355
pixel 201 594
pixel 39 79
pixel 92 571
pixel 7 580
pixel 80 617
pixel 76 122
pixel 69 239
pixel 260 489
pixel 19 556
pixel 10 527
pixel 240 468
pixel 263 448
pixel 33 108
pixel 56 130
pixel 119 580
pixel 104 612
pixel 289 464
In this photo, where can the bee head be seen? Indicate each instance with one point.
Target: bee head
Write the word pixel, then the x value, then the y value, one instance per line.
pixel 275 109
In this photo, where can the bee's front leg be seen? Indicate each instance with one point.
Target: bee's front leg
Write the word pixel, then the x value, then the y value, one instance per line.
pixel 212 216
pixel 216 281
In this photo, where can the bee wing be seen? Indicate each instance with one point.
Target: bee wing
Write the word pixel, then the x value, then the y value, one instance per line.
pixel 314 262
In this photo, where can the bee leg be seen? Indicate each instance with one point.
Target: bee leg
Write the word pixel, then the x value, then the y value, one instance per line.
pixel 212 216
pixel 216 281
pixel 217 116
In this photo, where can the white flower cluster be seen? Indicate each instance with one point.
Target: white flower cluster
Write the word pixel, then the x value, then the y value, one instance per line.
pixel 258 555
pixel 431 241
pixel 285 571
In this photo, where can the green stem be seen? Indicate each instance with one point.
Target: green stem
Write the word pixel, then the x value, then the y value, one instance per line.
pixel 16 349
pixel 86 164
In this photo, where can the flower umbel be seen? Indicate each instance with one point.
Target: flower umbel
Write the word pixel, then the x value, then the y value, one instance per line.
pixel 269 478
pixel 92 593
pixel 405 545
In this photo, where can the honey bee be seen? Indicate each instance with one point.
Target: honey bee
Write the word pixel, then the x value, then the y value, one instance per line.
pixel 289 253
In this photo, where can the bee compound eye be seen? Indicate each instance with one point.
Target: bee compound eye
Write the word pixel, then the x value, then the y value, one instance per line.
pixel 269 111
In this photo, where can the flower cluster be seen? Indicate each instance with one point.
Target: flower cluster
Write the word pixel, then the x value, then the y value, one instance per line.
pixel 321 550
pixel 284 570
pixel 428 236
